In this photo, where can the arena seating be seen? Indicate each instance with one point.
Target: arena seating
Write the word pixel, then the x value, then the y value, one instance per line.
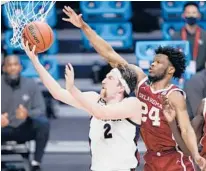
pixel 102 11
pixel 50 64
pixel 169 28
pixel 110 19
pixel 119 35
pixel 172 10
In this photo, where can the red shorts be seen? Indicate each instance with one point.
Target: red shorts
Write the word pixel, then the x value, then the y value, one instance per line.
pixel 167 161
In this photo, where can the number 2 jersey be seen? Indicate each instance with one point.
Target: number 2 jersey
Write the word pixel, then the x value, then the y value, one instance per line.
pixel 113 144
pixel 155 130
pixel 203 139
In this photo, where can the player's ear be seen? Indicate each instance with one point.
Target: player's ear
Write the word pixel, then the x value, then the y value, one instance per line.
pixel 171 70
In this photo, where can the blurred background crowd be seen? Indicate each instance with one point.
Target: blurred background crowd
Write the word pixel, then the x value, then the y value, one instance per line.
pixel 134 29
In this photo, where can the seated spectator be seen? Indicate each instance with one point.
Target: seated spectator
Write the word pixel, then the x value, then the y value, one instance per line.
pixel 22 110
pixel 195 90
pixel 194 34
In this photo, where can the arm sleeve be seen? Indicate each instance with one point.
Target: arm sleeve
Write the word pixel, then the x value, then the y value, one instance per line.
pixel 37 102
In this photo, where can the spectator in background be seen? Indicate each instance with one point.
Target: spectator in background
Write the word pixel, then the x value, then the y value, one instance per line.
pixel 22 110
pixel 194 34
pixel 195 89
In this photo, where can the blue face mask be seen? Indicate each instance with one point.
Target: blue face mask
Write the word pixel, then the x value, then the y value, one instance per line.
pixel 191 20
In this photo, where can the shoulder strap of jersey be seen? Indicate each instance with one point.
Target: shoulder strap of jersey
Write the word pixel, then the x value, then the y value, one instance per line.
pixel 141 82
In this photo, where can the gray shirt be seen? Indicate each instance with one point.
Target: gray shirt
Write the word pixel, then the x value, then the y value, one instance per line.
pixel 27 93
pixel 201 59
pixel 195 90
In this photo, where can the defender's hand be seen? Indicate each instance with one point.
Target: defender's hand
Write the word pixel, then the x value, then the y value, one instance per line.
pixel 168 110
pixel 75 19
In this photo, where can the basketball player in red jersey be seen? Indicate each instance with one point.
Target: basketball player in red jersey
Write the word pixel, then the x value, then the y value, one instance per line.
pixel 162 152
pixel 199 126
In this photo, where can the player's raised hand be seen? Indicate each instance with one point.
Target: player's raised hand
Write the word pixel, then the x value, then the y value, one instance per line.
pixel 30 53
pixel 69 76
pixel 168 110
pixel 75 19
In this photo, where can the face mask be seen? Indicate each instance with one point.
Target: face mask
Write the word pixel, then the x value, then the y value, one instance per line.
pixel 191 20
pixel 12 80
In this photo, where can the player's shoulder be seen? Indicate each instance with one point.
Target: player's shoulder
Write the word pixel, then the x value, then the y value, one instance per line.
pixel 177 97
pixel 92 95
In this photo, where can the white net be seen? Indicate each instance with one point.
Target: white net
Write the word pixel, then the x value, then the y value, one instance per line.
pixel 20 13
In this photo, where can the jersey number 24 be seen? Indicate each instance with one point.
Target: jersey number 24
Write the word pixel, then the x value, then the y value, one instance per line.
pixel 153 114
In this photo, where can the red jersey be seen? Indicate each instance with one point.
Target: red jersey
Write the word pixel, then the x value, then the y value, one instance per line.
pixel 155 129
pixel 203 140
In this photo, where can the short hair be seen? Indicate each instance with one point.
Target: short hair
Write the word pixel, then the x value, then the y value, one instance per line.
pixel 129 76
pixel 191 4
pixel 176 57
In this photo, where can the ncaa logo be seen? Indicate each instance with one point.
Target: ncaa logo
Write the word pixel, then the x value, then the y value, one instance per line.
pixel 25 97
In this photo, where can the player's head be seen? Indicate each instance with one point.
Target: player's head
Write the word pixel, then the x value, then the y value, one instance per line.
pixel 119 81
pixel 191 13
pixel 12 68
pixel 169 62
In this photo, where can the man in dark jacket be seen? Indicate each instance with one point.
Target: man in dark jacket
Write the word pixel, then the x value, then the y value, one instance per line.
pixel 195 90
pixel 22 109
pixel 194 34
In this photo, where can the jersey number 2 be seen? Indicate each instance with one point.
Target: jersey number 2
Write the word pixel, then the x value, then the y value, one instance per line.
pixel 153 114
pixel 107 128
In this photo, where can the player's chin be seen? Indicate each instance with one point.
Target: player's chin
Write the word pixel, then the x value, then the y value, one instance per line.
pixel 103 92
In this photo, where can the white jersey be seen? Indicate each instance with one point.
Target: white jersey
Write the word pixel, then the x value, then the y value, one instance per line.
pixel 113 144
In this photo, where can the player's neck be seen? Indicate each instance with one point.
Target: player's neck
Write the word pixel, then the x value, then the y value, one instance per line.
pixel 159 85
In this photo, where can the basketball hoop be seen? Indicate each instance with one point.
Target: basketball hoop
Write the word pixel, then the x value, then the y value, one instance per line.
pixel 20 13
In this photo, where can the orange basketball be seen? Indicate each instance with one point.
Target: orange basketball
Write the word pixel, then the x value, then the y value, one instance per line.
pixel 40 34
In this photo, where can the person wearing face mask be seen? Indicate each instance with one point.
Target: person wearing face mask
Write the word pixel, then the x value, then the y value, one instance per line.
pixel 22 109
pixel 194 34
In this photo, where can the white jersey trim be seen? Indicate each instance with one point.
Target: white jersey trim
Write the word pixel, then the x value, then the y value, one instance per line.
pixel 140 83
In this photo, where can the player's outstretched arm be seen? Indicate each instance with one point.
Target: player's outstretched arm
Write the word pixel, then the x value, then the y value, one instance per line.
pixel 50 83
pixel 99 44
pixel 169 113
pixel 188 135
pixel 198 121
pixel 111 111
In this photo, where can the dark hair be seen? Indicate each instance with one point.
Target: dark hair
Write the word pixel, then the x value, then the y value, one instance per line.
pixel 176 57
pixel 191 4
pixel 129 76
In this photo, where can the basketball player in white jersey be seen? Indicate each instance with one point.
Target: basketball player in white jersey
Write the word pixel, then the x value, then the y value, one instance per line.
pixel 116 117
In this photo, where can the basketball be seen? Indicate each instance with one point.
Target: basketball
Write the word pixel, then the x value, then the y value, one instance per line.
pixel 40 34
